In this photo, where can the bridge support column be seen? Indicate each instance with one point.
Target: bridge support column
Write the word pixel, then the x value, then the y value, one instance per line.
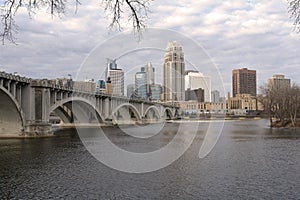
pixel 106 108
pixel 40 124
pixel 14 89
pixel 143 117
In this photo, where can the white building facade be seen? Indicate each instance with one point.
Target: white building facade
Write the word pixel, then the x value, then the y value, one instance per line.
pixel 195 80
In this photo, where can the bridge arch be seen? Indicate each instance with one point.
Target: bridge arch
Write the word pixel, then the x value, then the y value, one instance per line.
pixel 12 119
pixel 152 113
pixel 168 114
pixel 76 109
pixel 127 112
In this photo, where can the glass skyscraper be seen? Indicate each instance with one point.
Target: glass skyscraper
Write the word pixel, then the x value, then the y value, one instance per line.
pixel 141 85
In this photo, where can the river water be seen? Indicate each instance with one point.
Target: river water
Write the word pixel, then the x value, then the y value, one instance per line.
pixel 249 161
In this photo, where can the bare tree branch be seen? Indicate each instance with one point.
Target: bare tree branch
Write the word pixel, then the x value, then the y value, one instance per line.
pixel 294 11
pixel 135 11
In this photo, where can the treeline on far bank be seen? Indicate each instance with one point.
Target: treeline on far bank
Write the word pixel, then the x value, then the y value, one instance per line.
pixel 282 105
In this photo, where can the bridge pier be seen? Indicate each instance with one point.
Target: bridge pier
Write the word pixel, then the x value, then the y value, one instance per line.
pixel 38 129
pixel 38 119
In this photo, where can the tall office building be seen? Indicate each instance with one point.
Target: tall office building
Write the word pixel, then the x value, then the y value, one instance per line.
pixel 195 80
pixel 116 77
pixel 131 90
pixel 243 82
pixel 279 82
pixel 174 68
pixel 145 86
pixel 155 91
pixel 150 73
pixel 215 96
pixel 141 85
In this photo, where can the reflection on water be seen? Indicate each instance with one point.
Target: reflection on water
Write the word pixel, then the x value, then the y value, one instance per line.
pixel 250 161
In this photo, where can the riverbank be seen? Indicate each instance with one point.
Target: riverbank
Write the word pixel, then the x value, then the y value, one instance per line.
pixel 24 136
pixel 227 117
pixel 286 124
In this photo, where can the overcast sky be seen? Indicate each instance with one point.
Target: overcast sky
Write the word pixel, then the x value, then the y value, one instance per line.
pixel 232 33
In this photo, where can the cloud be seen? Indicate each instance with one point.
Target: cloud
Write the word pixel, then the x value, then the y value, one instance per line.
pixel 241 34
pixel 235 33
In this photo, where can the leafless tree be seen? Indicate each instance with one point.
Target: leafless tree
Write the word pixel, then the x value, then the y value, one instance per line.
pixel 266 98
pixel 294 104
pixel 135 11
pixel 282 104
pixel 294 10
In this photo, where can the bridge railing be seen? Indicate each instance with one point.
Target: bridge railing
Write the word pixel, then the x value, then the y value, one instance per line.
pixel 45 83
pixel 14 77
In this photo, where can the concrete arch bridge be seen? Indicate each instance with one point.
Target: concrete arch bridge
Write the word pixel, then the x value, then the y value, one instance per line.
pixel 30 107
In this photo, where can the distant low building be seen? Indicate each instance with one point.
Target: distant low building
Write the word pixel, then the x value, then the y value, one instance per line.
pixel 100 86
pixel 243 104
pixel 62 82
pixel 84 86
pixel 222 99
pixel 195 107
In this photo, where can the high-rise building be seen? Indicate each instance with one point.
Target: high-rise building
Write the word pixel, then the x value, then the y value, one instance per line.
pixel 243 82
pixel 145 86
pixel 116 77
pixel 150 73
pixel 130 90
pixel 141 85
pixel 195 80
pixel 279 82
pixel 155 91
pixel 174 68
pixel 215 96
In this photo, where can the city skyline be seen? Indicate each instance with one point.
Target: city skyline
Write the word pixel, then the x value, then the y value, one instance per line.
pixel 235 34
